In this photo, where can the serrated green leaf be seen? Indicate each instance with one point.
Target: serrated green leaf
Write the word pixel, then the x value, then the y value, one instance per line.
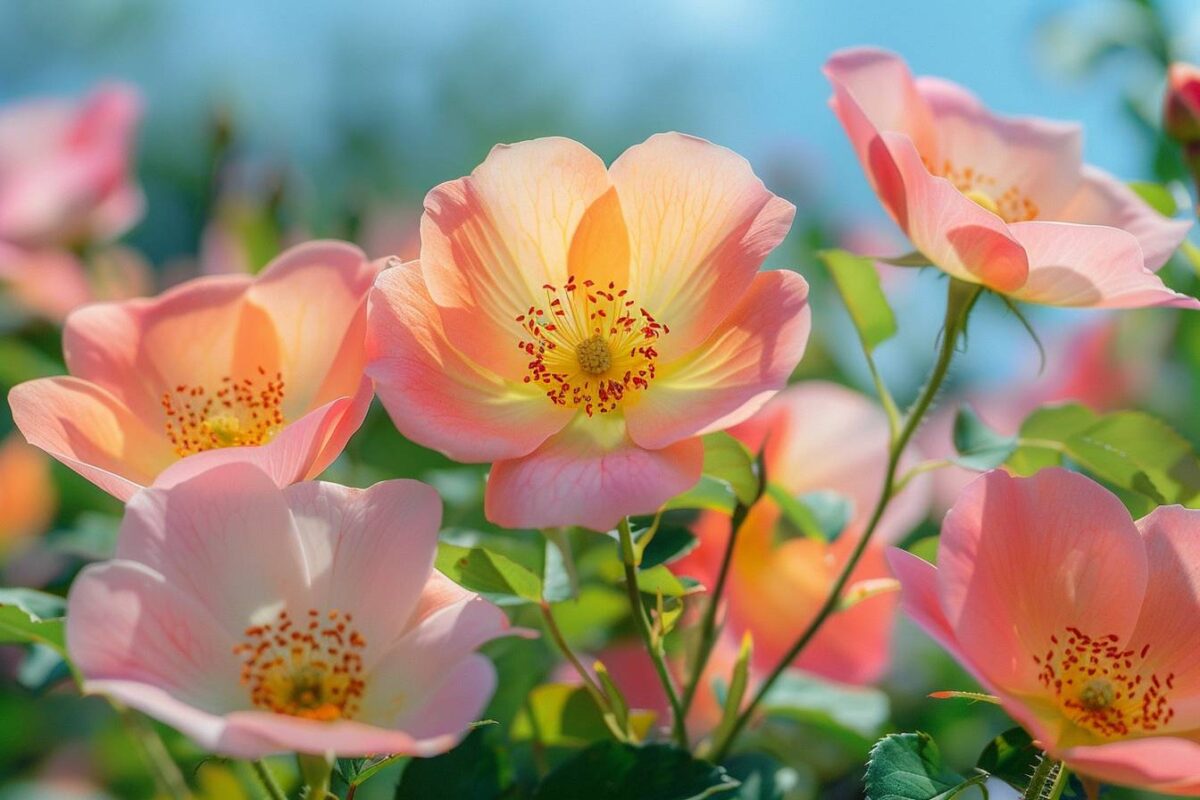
pixel 858 283
pixel 1011 757
pixel 493 575
pixel 609 769
pixel 908 766
pixel 28 616
pixel 979 447
pixel 728 460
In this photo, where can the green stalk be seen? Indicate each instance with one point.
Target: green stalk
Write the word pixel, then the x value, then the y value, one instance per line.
pixel 960 299
pixel 267 780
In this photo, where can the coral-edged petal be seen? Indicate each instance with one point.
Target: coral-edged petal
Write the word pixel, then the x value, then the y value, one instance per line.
pixel 1089 265
pixel 996 591
pixel 1104 200
pixel 590 474
pixel 126 622
pixel 434 394
pixel 700 224
pixel 492 240
pixel 300 451
pixel 314 294
pixel 227 526
pixel 957 234
pixel 1164 764
pixel 732 373
pixel 255 734
pixel 90 431
pixel 367 549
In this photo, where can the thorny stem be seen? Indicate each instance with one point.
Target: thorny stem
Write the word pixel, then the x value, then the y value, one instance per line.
pixel 961 298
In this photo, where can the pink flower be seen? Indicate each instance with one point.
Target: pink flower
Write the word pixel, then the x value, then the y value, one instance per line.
pixel 1080 620
pixel 52 282
pixel 266 369
pixel 259 620
pixel 1181 107
pixel 580 326
pixel 64 168
pixel 817 437
pixel 999 201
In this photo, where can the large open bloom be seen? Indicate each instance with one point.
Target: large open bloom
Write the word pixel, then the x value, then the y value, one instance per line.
pixel 816 437
pixel 65 168
pixel 1080 620
pixel 266 369
pixel 260 620
pixel 1000 201
pixel 579 326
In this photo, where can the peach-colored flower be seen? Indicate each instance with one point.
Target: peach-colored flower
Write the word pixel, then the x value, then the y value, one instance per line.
pixel 1000 201
pixel 64 168
pixel 815 436
pixel 1080 620
pixel 266 369
pixel 260 620
pixel 53 282
pixel 579 326
pixel 27 496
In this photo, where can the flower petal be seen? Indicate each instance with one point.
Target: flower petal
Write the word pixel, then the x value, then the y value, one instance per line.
pixel 90 431
pixel 1164 764
pixel 729 376
pixel 1089 265
pixel 460 700
pixel 255 734
pixel 434 394
pixel 1103 200
pixel 590 474
pixel 490 241
pixel 700 224
pixel 1022 558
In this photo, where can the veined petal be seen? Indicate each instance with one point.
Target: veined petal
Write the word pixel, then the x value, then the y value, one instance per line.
pixel 1164 764
pixel 747 358
pixel 590 474
pixel 700 224
pixel 435 394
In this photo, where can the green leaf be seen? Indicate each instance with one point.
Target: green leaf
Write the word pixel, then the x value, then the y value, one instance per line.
pixel 908 766
pixel 1011 757
pixel 670 543
pixel 858 283
pixel 979 447
pixel 709 494
pixel 1157 196
pixel 655 772
pixel 1042 434
pixel 558 584
pixel 821 515
pixel 728 460
pixel 28 616
pixel 858 711
pixel 660 580
pixel 763 778
pixel 560 715
pixel 493 575
pixel 470 771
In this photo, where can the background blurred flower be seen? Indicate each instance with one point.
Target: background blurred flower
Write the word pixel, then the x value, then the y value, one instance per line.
pixel 578 325
pixel 265 369
pixel 259 620
pixel 1080 620
pixel 28 499
pixel 1004 202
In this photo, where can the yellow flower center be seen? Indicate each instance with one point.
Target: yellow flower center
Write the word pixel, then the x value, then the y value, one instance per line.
pixel 588 346
pixel 1103 687
pixel 241 411
pixel 309 668
pixel 1010 204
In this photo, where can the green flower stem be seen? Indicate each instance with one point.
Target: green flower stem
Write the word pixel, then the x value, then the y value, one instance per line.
pixel 961 298
pixel 598 695
pixel 316 771
pixel 1048 780
pixel 708 625
pixel 642 620
pixel 166 771
pixel 267 780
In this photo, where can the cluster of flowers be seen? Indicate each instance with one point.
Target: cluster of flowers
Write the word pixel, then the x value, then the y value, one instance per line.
pixel 580 327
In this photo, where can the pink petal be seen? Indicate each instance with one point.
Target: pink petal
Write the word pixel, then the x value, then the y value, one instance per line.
pixel 368 549
pixel 490 241
pixel 90 431
pixel 224 537
pixel 128 623
pixel 700 224
pixel 438 397
pixel 204 728
pixel 255 734
pixel 315 296
pixel 461 700
pixel 590 474
pixel 729 376
pixel 1089 265
pixel 47 282
pixel 1164 764
pixel 1020 559
pixel 1103 200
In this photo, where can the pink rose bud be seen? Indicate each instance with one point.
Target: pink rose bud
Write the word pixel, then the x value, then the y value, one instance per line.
pixel 1181 107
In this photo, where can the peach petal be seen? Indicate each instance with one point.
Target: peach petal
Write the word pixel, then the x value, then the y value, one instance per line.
pixel 434 394
pixel 700 224
pixel 728 377
pixel 1089 265
pixel 1164 764
pixel 590 474
pixel 90 431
